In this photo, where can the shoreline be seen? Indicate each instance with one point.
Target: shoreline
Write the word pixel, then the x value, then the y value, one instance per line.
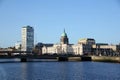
pixel 105 59
pixel 108 59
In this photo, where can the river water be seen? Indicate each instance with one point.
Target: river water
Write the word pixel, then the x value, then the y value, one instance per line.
pixel 59 71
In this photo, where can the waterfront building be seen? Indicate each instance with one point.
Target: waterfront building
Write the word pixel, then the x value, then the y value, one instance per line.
pixel 65 48
pixel 27 38
pixel 18 46
pixel 89 41
pixel 38 48
pixel 105 49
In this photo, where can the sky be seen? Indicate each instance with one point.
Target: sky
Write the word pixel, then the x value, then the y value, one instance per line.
pixel 98 19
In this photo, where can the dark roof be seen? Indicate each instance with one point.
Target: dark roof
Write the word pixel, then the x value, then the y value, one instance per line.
pixel 44 44
pixel 101 43
pixel 48 45
pixel 27 26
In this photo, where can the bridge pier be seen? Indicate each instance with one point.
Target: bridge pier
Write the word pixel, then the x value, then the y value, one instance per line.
pixel 62 58
pixel 9 54
pixel 23 59
pixel 86 58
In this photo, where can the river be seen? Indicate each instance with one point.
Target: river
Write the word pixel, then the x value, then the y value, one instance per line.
pixel 59 71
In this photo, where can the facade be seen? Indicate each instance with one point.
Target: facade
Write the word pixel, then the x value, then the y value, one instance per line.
pixel 38 48
pixel 18 46
pixel 105 49
pixel 27 38
pixel 86 41
pixel 65 48
pixel 85 46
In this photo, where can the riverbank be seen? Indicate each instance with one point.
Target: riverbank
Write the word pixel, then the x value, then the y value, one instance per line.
pixel 96 58
pixel 105 59
pixel 66 58
pixel 83 58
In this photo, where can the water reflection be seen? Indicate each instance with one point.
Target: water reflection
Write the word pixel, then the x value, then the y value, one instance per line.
pixel 26 71
pixel 2 73
pixel 63 71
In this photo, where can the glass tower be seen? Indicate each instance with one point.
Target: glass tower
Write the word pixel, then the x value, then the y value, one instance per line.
pixel 27 38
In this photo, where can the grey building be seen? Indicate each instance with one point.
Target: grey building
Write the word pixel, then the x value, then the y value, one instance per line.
pixel 27 38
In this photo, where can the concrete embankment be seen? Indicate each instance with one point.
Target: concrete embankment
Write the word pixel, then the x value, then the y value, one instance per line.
pixel 84 58
pixel 105 59
pixel 74 58
pixel 95 58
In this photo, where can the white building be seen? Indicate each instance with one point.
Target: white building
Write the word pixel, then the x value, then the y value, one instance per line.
pixel 86 41
pixel 83 47
pixel 27 38
pixel 105 49
pixel 106 46
pixel 18 45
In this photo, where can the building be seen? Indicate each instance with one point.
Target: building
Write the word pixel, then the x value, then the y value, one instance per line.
pixel 18 46
pixel 38 48
pixel 27 38
pixel 105 49
pixel 64 39
pixel 65 48
pixel 86 41
pixel 85 46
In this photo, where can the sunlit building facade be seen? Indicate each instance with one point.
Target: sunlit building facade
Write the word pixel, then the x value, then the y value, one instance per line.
pixel 103 49
pixel 64 47
pixel 27 38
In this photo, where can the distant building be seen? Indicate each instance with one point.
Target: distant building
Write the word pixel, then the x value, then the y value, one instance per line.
pixel 38 48
pixel 64 39
pixel 18 46
pixel 83 47
pixel 86 41
pixel 105 49
pixel 27 38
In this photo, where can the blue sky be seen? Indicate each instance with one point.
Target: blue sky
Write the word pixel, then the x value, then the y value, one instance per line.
pixel 98 19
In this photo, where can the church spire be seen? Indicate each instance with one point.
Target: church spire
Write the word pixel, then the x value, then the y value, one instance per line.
pixel 64 30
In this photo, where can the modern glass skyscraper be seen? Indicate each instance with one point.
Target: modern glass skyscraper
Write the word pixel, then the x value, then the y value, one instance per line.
pixel 27 38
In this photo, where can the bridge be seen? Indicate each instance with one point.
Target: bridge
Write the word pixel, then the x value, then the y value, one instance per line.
pixel 12 52
pixel 25 55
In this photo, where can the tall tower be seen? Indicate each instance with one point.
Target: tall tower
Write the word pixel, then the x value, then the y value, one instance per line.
pixel 27 38
pixel 64 39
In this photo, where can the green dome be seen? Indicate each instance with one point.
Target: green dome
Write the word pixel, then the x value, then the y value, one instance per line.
pixel 64 34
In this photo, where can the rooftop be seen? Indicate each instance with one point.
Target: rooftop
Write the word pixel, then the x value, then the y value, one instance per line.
pixel 86 39
pixel 64 34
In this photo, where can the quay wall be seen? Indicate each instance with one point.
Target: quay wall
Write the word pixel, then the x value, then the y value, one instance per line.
pixel 96 58
pixel 74 58
pixel 105 59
